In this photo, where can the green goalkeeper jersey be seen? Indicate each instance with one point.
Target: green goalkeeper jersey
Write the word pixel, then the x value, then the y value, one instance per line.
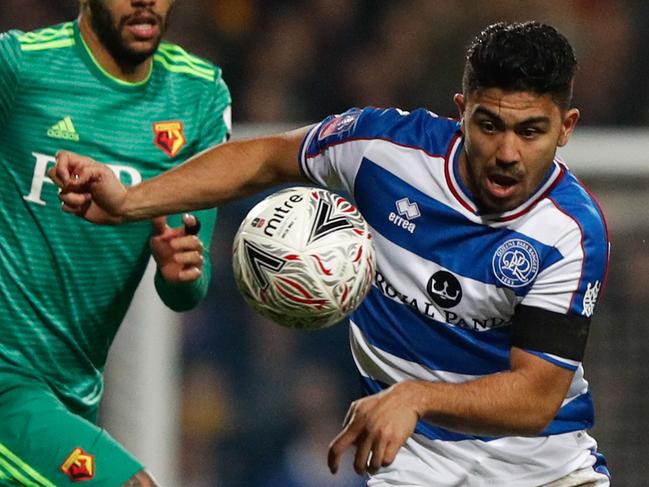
pixel 66 284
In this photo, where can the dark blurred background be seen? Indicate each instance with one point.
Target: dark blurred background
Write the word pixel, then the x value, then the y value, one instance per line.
pixel 260 403
pixel 289 60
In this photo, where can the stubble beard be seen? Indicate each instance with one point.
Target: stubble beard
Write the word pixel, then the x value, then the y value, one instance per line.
pixel 109 31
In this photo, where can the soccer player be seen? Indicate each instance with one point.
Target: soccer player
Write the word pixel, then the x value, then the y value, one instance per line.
pixel 104 85
pixel 470 343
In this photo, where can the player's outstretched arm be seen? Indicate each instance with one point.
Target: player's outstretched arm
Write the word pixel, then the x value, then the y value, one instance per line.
pixel 222 173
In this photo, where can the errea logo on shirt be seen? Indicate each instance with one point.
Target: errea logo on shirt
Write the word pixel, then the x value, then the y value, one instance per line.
pixel 406 211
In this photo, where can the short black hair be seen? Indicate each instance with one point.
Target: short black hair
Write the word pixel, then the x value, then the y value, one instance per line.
pixel 521 56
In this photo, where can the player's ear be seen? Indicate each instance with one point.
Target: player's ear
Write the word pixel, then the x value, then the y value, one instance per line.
pixel 459 102
pixel 570 119
pixel 461 106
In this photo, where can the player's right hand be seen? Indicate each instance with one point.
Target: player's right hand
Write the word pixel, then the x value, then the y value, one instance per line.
pixel 378 426
pixel 89 189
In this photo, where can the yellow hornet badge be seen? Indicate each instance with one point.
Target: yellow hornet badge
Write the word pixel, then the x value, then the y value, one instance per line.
pixel 169 137
pixel 79 466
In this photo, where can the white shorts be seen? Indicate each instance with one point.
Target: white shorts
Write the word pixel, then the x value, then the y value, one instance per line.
pixel 565 460
pixel 586 477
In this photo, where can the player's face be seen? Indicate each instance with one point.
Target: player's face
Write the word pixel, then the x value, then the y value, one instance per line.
pixel 131 30
pixel 510 142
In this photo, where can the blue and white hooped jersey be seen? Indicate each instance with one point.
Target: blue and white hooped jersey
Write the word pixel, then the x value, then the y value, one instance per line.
pixel 449 278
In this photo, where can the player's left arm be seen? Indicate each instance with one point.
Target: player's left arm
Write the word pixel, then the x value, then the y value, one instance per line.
pixel 183 262
pixel 519 402
pixel 181 250
pixel 548 343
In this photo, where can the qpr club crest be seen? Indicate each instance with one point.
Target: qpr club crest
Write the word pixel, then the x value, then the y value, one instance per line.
pixel 516 263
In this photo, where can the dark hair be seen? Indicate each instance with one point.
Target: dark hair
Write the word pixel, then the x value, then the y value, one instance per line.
pixel 526 56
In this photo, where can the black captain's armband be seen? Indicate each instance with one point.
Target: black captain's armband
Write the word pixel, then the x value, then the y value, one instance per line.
pixel 549 332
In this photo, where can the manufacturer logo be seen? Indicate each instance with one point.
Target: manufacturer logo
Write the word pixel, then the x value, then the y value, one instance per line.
pixel 79 466
pixel 590 298
pixel 406 211
pixel 444 289
pixel 169 137
pixel 280 213
pixel 339 124
pixel 63 129
pixel 515 263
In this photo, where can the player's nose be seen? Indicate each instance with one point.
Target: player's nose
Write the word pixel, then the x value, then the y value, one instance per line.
pixel 508 151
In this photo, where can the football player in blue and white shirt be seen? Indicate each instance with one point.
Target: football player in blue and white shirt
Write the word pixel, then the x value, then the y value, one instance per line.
pixel 490 258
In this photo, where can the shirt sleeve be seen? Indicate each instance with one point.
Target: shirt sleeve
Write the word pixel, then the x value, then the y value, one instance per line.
pixel 216 115
pixel 572 285
pixel 333 150
pixel 10 64
pixel 182 296
pixel 216 128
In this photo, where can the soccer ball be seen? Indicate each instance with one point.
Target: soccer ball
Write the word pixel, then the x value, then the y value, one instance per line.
pixel 304 258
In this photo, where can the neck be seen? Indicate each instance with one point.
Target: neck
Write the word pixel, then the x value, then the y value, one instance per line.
pixel 130 74
pixel 463 163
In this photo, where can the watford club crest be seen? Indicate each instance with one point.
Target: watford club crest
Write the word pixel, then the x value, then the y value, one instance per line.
pixel 169 137
pixel 79 466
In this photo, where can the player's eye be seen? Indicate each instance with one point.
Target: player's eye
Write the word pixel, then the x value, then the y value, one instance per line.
pixel 530 132
pixel 487 126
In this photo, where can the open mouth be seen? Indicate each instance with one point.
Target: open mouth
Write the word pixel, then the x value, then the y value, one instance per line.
pixel 143 26
pixel 501 185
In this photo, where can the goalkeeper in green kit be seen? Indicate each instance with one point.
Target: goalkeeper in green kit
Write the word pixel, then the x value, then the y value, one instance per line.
pixel 107 86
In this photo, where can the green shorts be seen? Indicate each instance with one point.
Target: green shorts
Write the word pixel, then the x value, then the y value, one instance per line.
pixel 43 444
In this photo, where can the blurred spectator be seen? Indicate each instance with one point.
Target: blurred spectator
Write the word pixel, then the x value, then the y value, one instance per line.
pixel 315 407
pixel 207 418
pixel 300 60
pixel 31 14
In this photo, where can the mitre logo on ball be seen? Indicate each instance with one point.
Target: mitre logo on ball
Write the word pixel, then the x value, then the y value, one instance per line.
pixel 304 257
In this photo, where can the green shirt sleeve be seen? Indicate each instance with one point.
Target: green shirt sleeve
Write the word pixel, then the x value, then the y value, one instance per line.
pixel 216 129
pixel 10 59
pixel 216 114
pixel 181 296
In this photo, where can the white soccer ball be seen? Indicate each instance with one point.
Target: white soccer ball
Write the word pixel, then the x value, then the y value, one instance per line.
pixel 304 258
